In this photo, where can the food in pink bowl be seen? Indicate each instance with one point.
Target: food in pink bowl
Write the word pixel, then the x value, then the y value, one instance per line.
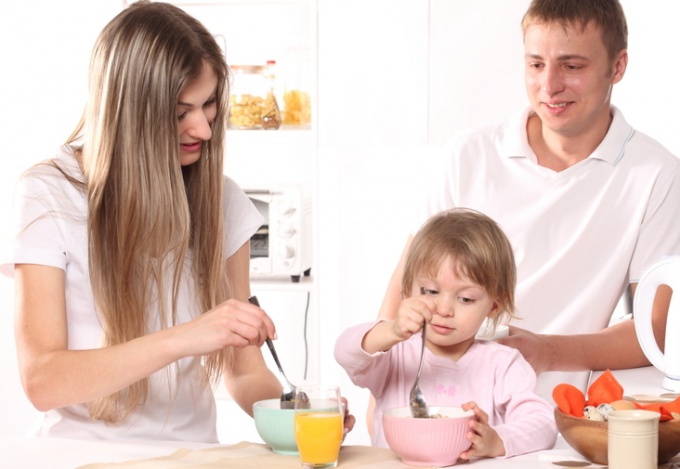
pixel 435 441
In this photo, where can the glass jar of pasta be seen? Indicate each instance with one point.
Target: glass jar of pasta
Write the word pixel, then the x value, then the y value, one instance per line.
pixel 296 100
pixel 247 96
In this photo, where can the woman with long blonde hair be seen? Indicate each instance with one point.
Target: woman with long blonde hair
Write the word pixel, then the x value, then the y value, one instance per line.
pixel 131 249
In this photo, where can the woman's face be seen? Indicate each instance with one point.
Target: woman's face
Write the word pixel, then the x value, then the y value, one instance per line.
pixel 196 110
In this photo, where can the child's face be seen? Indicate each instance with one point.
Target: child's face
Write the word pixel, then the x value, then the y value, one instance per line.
pixel 461 306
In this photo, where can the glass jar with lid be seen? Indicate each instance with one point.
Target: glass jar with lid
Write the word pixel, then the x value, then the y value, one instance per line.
pixel 297 106
pixel 247 96
pixel 271 115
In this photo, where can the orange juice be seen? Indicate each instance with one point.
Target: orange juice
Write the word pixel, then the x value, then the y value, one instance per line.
pixel 319 436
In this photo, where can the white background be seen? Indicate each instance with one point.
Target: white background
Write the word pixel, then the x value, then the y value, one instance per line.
pixel 395 79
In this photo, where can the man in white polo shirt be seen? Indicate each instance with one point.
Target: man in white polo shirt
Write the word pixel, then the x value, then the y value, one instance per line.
pixel 588 203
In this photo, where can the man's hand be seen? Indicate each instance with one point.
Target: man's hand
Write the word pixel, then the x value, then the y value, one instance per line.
pixel 535 348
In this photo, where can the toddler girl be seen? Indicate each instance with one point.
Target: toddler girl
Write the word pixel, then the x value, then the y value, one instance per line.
pixel 460 270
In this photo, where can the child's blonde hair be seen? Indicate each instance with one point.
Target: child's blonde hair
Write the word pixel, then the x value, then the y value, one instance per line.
pixel 479 247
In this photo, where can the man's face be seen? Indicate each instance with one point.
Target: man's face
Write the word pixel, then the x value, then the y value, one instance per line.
pixel 569 77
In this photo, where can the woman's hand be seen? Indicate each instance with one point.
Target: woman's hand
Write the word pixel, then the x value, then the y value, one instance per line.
pixel 230 324
pixel 485 440
pixel 349 419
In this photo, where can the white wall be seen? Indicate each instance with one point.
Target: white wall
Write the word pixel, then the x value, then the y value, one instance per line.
pixel 391 89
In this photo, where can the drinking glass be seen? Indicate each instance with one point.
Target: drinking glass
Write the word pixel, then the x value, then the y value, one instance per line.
pixel 318 425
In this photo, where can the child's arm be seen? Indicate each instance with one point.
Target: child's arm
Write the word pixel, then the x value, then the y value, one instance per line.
pixel 528 423
pixel 380 338
pixel 364 369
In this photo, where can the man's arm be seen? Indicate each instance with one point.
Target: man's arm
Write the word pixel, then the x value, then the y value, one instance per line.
pixel 614 347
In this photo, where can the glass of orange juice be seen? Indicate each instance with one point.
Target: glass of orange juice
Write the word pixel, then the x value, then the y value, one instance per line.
pixel 318 425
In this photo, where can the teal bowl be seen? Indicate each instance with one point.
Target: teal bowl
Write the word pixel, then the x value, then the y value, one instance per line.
pixel 276 426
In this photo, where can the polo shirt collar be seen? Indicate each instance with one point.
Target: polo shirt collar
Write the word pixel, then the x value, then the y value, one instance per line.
pixel 611 149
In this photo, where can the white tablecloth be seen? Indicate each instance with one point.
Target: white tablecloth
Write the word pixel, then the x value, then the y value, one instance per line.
pixel 36 453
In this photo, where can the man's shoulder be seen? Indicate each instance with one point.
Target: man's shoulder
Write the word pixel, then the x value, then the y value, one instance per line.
pixel 652 148
pixel 639 143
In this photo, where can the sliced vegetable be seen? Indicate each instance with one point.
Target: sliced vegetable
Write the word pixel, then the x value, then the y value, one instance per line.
pixel 605 389
pixel 664 408
pixel 569 399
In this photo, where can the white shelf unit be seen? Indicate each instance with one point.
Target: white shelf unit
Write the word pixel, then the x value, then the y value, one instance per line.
pixel 264 284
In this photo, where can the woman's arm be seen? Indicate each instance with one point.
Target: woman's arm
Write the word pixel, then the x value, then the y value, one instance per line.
pixel 55 376
pixel 248 379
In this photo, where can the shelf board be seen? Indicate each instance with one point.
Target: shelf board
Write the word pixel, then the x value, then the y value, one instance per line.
pixel 281 284
pixel 289 133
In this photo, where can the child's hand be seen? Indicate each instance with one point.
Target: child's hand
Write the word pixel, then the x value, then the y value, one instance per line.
pixel 412 313
pixel 485 440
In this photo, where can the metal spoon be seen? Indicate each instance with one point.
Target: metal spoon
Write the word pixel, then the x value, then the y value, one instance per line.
pixel 288 394
pixel 416 399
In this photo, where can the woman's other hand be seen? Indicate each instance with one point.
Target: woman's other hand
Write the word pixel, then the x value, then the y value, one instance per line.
pixel 349 419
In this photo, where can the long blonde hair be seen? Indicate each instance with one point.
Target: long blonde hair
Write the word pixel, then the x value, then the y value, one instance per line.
pixel 147 215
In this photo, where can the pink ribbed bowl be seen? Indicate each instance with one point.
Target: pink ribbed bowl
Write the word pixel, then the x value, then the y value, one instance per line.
pixel 427 442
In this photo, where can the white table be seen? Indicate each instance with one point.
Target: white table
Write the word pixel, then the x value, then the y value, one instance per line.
pixel 54 453
pixel 36 453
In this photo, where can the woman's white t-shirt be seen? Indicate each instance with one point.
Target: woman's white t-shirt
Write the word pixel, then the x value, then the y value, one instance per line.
pixel 49 228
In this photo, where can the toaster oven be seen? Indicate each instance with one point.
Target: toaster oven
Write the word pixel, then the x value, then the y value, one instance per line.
pixel 282 246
